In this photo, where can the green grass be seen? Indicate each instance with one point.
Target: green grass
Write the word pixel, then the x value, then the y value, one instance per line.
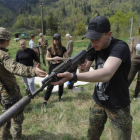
pixel 66 120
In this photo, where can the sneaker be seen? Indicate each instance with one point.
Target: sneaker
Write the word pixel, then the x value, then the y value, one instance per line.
pixel 44 103
pixel 82 89
pixel 77 89
pixel 135 97
pixel 69 86
pixel 59 99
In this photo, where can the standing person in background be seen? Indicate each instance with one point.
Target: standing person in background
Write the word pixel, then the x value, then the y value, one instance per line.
pixel 33 46
pixel 56 51
pixel 135 63
pixel 26 56
pixel 69 45
pixel 43 44
pixel 9 89
pixel 111 94
pixel 69 52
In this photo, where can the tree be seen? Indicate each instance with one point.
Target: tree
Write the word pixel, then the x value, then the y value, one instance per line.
pixel 64 11
pixel 120 23
pixel 75 4
pixel 29 9
pixel 88 20
pixel 52 23
pixel 80 29
pixel 85 11
pixel 44 27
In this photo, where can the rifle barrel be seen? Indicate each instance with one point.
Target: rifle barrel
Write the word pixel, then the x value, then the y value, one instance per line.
pixel 13 110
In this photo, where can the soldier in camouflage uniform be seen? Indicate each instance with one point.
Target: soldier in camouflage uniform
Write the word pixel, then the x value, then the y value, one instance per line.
pixel 9 90
pixel 43 43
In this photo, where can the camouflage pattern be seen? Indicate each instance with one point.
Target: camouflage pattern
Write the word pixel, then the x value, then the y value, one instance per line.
pixel 43 49
pixel 69 48
pixel 4 34
pixel 120 122
pixel 135 67
pixel 9 68
pixel 7 100
pixel 10 92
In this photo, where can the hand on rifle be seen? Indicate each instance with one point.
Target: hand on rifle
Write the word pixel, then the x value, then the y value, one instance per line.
pixel 66 76
pixel 83 66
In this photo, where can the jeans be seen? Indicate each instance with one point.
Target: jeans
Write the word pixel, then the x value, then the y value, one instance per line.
pixel 29 83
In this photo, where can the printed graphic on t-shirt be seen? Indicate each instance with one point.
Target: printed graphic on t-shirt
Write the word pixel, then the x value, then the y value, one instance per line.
pixel 101 86
pixel 138 49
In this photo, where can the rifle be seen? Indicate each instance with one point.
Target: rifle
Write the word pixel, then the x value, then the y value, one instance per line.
pixel 67 65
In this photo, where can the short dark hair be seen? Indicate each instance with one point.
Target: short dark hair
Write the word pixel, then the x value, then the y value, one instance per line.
pixel 2 41
pixel 32 36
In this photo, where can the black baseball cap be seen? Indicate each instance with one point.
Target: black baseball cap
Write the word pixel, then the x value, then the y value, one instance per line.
pixel 57 36
pixel 97 26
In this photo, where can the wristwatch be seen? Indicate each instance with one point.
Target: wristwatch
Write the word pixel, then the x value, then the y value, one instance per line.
pixel 74 78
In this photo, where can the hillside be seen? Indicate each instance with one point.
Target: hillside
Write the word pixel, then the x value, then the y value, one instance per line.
pixel 67 13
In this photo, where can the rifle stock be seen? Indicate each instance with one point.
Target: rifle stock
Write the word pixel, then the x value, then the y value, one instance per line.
pixel 67 65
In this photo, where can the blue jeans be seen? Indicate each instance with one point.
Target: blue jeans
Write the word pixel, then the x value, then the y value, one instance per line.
pixel 29 83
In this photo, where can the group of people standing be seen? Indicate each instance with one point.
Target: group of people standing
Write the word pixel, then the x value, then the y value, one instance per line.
pixel 55 55
pixel 112 67
pixel 27 65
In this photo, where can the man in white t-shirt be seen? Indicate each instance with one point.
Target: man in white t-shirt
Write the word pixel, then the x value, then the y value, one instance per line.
pixel 32 44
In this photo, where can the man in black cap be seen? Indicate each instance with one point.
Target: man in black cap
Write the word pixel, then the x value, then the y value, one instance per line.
pixel 111 94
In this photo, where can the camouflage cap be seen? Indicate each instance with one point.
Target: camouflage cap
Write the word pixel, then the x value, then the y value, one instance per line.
pixel 4 34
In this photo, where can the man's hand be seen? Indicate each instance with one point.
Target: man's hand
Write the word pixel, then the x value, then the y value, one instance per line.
pixel 66 76
pixel 39 72
pixel 37 51
pixel 43 45
pixel 83 66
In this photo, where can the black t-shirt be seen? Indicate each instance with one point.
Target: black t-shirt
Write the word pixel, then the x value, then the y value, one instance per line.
pixel 63 51
pixel 26 57
pixel 115 93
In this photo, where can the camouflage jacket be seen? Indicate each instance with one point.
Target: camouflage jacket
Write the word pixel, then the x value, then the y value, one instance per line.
pixel 45 41
pixel 9 68
pixel 69 47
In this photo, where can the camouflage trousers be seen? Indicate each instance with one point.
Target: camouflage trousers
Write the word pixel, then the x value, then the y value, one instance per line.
pixel 135 67
pixel 43 55
pixel 120 122
pixel 7 100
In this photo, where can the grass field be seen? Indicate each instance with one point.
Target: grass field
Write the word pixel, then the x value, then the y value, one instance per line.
pixel 66 120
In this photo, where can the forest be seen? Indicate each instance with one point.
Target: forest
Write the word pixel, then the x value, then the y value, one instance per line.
pixel 68 16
